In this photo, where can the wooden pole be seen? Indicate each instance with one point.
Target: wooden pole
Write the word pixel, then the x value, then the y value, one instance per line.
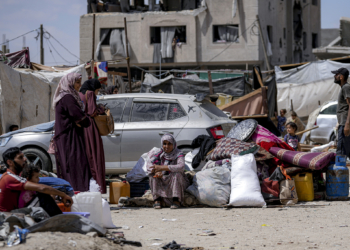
pixel 211 91
pixel 113 80
pixel 142 76
pixel 259 78
pixel 127 53
pixel 92 68
pixel 93 37
pixel 263 42
pixel 291 105
pixel 307 130
pixel 41 44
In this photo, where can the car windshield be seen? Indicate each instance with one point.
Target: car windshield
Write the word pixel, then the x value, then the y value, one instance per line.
pixel 211 110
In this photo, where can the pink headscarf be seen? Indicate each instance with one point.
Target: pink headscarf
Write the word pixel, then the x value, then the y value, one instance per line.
pixel 66 87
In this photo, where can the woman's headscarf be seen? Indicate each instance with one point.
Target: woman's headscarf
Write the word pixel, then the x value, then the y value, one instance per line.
pixel 91 84
pixel 167 157
pixel 66 87
pixel 111 89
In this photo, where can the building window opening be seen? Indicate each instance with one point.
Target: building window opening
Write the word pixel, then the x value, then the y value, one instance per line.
pixel 314 2
pixel 314 40
pixel 269 33
pixel 225 34
pixel 281 43
pixel 180 34
pixel 105 35
pixel 304 40
pixel 297 21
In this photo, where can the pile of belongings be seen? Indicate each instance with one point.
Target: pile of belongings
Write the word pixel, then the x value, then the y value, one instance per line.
pixel 252 166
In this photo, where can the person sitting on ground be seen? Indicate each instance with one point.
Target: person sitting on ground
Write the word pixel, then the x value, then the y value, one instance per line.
pixel 294 118
pixel 11 184
pixel 290 138
pixel 31 173
pixel 281 120
pixel 167 179
pixel 13 128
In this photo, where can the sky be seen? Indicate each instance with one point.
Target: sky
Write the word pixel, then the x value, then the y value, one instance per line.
pixel 61 19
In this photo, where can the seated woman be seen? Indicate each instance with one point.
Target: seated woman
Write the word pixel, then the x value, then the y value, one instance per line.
pixel 167 179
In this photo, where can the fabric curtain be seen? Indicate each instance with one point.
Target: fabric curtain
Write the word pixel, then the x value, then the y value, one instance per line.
pixel 104 34
pixel 228 33
pixel 118 43
pixel 167 36
pixel 156 53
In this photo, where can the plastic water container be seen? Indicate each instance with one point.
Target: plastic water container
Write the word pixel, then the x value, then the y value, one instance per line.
pixel 337 180
pixel 117 190
pixel 90 202
pixel 305 186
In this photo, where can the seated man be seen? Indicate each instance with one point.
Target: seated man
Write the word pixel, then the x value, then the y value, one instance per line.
pixel 11 184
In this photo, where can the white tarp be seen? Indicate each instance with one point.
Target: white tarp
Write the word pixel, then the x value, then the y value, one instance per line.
pixel 25 96
pixel 309 86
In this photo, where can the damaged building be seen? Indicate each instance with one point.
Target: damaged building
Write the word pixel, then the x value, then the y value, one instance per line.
pixel 204 34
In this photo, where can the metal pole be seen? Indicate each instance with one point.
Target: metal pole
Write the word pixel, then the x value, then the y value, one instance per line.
pixel 160 65
pixel 41 44
pixel 127 53
pixel 263 42
pixel 93 38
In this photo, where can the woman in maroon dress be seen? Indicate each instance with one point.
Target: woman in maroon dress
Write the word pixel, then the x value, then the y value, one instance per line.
pixel 93 140
pixel 71 160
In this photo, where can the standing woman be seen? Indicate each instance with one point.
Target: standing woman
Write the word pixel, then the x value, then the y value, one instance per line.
pixel 71 159
pixel 93 140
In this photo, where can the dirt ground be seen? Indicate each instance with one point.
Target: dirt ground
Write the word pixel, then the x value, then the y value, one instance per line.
pixel 323 225
pixel 312 225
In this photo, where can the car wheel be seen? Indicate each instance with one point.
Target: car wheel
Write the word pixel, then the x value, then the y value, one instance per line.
pixel 39 158
pixel 332 137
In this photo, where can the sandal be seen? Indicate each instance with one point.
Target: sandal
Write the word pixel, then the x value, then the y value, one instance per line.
pixel 157 205
pixel 175 205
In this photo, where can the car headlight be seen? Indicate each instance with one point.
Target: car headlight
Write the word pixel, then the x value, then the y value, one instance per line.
pixel 4 141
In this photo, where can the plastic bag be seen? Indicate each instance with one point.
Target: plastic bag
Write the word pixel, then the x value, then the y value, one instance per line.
pixel 139 172
pixel 288 192
pixel 245 186
pixel 321 148
pixel 211 186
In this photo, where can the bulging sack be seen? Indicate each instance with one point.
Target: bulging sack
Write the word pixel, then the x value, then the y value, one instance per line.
pixel 245 186
pixel 211 186
pixel 288 192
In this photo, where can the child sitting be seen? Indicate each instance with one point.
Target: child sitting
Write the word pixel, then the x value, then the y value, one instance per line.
pixel 31 173
pixel 290 138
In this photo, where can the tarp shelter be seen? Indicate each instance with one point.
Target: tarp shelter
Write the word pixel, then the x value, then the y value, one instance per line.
pixel 26 97
pixel 309 86
pixel 231 86
pixel 18 59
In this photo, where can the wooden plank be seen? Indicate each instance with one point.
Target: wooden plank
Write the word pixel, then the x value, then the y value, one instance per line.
pixel 293 65
pixel 259 78
pixel 113 73
pixel 255 92
pixel 307 130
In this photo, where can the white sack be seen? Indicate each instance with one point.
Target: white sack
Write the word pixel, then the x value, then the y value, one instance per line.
pixel 245 186
pixel 189 158
pixel 211 187
pixel 139 172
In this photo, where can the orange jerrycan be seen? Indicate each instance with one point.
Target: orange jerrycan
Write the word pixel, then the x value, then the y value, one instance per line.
pixel 117 190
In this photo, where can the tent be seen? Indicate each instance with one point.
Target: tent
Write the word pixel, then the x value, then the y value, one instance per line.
pixel 308 86
pixel 26 97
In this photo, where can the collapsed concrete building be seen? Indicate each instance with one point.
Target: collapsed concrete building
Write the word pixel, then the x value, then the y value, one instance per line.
pixel 209 35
